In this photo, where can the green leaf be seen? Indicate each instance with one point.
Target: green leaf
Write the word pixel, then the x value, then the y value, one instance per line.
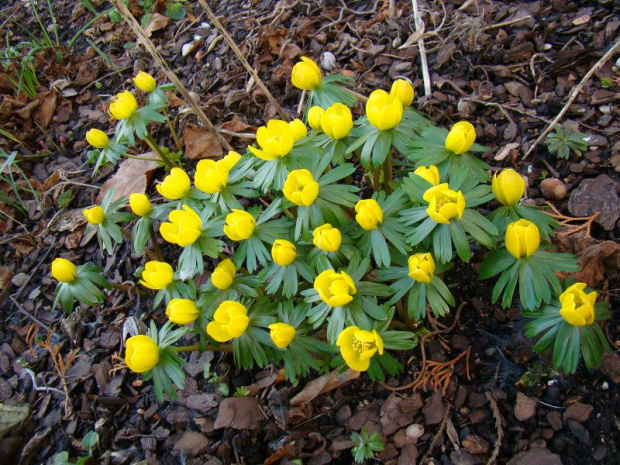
pixel 90 440
pixel 175 11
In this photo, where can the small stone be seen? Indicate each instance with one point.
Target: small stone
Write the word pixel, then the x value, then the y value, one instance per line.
pixel 536 456
pixel 578 411
pixel 597 195
pixel 576 167
pixel 414 431
pixel 525 407
pixel 553 189
pixel 343 415
pixel 476 444
pixel 192 443
pixel 610 366
pixel 579 431
pixel 599 453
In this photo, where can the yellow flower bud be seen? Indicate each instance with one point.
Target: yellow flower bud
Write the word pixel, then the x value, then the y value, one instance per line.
pixel 384 111
pixel 276 140
pixel 94 215
pixel 306 74
pixel 140 204
pixel 337 121
pixel 327 238
pixel 239 225
pixel 301 188
pixel 314 117
pixel 461 137
pixel 124 106
pixel 157 275
pixel 421 267
pixel 184 229
pixel 281 334
pixel 403 91
pixel 229 321
pixel 63 270
pixel 97 138
pixel 298 128
pixel 369 214
pixel 428 173
pixel 223 274
pixel 522 238
pixel 444 203
pixel 508 187
pixel 175 186
pixel 358 346
pixel 283 252
pixel 577 306
pixel 182 311
pixel 211 176
pixel 335 289
pixel 145 82
pixel 142 353
pixel 230 160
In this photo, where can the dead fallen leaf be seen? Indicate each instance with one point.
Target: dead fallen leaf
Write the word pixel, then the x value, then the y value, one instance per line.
pixel 45 112
pixel 201 143
pixel 581 20
pixel 445 54
pixel 175 101
pixel 6 274
pixel 131 177
pixel 236 124
pixel 239 413
pixel 156 23
pixel 508 149
pixel 324 384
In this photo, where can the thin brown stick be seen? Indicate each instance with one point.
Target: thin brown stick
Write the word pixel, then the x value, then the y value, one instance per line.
pixel 216 22
pixel 573 95
pixel 498 425
pixel 150 47
pixel 439 433
pixel 420 25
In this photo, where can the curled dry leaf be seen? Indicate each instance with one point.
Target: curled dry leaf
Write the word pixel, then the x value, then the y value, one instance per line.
pixel 201 143
pixel 131 177
pixel 325 383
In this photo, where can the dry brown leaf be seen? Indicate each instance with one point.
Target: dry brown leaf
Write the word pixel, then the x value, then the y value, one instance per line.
pixel 45 112
pixel 156 23
pixel 6 274
pixel 175 101
pixel 323 384
pixel 201 143
pixel 508 149
pixel 131 177
pixel 236 124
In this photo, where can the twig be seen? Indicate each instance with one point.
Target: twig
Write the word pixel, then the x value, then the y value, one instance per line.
pixel 32 317
pixel 425 74
pixel 240 135
pixel 550 168
pixel 246 65
pixel 33 271
pixel 498 425
pixel 35 386
pixel 572 228
pixel 573 95
pixel 439 433
pixel 150 47
pixel 507 23
pixel 302 99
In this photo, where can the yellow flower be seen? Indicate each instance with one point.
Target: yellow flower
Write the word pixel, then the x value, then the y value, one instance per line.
pixel 428 173
pixel 461 137
pixel 97 138
pixel 369 214
pixel 211 176
pixel 508 187
pixel 335 289
pixel 230 320
pixel 301 188
pixel 421 267
pixel 314 117
pixel 306 74
pixel 182 311
pixel 230 159
pixel 522 238
pixel 337 121
pixel 140 204
pixel 276 140
pixel 327 238
pixel 223 275
pixel 403 91
pixel 94 215
pixel 184 228
pixel 283 252
pixel 123 106
pixel 281 334
pixel 63 270
pixel 145 82
pixel 175 186
pixel 142 353
pixel 298 129
pixel 384 111
pixel 358 346
pixel 577 306
pixel 444 204
pixel 239 225
pixel 157 275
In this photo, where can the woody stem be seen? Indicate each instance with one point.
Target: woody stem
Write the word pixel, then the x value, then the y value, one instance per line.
pixel 376 179
pixel 157 149
pixel 196 347
pixel 175 136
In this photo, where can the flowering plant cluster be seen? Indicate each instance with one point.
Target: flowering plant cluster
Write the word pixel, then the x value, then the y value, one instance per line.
pixel 323 270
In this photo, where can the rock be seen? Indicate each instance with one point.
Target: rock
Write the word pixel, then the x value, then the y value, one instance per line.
pixel 578 411
pixel 610 366
pixel 597 195
pixel 434 410
pixel 555 420
pixel 599 453
pixel 408 455
pixel 462 457
pixel 239 413
pixel 579 431
pixel 192 443
pixel 525 407
pixel 536 456
pixel 414 431
pixel 476 444
pixel 553 189
pixel 343 415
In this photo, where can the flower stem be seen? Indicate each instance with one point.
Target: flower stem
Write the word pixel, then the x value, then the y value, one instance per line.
pixel 146 251
pixel 376 179
pixel 196 347
pixel 157 149
pixel 387 173
pixel 160 257
pixel 175 136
